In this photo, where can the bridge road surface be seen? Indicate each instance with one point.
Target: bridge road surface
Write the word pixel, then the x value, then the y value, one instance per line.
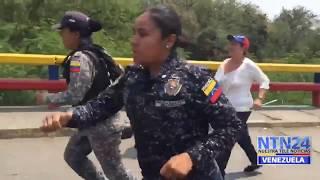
pixel 42 159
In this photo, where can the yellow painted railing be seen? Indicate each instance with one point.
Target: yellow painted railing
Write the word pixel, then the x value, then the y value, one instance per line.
pixel 38 59
pixel 30 59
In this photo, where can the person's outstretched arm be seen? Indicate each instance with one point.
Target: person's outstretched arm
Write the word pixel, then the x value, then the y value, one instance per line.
pixel 106 105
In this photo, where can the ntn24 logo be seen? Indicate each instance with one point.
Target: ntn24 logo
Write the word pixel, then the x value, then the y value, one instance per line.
pixel 282 151
pixel 284 160
pixel 284 142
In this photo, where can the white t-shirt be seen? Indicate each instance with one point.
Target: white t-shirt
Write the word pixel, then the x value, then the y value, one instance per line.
pixel 236 84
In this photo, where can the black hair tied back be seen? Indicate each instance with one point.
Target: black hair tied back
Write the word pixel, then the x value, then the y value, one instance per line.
pixel 169 23
pixel 94 26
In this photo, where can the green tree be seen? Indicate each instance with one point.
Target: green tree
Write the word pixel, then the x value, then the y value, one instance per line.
pixel 26 28
pixel 292 33
pixel 207 23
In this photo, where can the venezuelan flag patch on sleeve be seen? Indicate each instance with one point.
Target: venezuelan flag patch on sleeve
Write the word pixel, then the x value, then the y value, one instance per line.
pixel 75 66
pixel 212 90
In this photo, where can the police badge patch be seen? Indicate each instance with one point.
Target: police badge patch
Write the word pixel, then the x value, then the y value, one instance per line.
pixel 172 87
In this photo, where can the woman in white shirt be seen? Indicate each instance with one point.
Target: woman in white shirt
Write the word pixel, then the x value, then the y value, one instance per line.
pixel 236 75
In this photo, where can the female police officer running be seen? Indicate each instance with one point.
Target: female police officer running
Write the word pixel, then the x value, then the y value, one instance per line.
pixel 170 105
pixel 88 70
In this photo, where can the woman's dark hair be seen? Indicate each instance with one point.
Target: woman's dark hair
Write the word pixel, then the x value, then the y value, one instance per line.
pixel 94 26
pixel 168 21
pixel 87 30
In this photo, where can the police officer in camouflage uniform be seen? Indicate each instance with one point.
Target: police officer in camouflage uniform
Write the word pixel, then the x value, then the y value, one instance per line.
pixel 88 70
pixel 170 105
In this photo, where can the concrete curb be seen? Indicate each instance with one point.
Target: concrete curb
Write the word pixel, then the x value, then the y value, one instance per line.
pixel 36 133
pixel 33 133
pixel 283 124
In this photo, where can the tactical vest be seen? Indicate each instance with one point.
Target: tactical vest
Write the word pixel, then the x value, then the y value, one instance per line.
pixel 106 70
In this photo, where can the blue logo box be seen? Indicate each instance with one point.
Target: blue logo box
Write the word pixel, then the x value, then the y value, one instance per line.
pixel 284 150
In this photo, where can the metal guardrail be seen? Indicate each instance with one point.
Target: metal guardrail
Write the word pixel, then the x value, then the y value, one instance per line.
pixel 52 86
pixel 30 59
pixel 53 62
pixel 38 59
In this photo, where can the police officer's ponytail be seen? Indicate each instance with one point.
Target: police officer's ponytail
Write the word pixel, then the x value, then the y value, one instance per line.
pixel 94 26
pixel 169 23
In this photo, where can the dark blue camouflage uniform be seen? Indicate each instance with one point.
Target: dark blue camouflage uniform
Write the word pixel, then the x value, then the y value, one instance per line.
pixel 169 114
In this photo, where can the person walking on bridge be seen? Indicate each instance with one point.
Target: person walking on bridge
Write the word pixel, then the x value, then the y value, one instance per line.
pixel 89 69
pixel 236 76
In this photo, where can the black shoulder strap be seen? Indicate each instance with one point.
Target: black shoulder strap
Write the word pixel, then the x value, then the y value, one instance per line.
pixel 110 65
pixel 106 71
pixel 66 66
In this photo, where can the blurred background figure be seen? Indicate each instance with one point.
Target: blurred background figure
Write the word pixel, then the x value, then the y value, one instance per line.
pixel 236 76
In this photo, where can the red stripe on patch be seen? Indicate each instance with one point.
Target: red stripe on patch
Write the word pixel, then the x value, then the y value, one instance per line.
pixel 75 69
pixel 216 95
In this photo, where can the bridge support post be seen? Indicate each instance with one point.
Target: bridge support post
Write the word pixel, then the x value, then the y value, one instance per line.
pixel 53 72
pixel 316 94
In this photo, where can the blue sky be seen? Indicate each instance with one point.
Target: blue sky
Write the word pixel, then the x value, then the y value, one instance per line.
pixel 274 7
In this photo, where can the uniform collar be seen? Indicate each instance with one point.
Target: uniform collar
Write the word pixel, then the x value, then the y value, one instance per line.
pixel 171 62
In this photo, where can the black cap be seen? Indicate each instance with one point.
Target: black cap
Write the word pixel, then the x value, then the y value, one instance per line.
pixel 78 21
pixel 74 20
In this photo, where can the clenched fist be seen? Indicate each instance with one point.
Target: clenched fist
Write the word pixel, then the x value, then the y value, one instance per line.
pixel 178 167
pixel 56 121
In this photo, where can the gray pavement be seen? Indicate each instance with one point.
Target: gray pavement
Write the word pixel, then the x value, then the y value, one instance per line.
pixel 41 159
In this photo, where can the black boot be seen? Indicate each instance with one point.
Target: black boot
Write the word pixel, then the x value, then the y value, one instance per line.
pixel 252 167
